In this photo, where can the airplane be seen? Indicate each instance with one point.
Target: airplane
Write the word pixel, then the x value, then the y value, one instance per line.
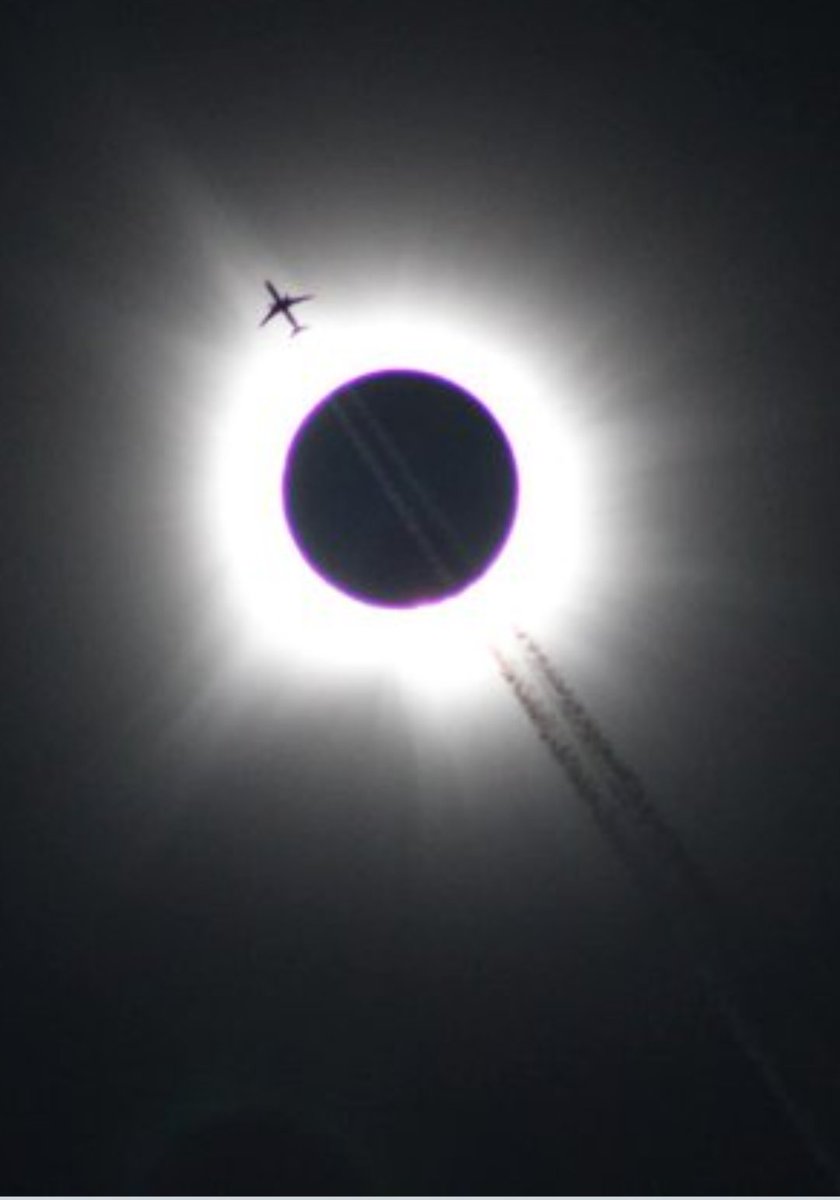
pixel 283 304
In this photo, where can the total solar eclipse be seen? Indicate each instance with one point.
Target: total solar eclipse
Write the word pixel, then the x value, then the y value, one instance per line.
pixel 400 488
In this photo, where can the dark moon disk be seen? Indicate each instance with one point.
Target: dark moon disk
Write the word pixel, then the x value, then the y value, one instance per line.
pixel 400 488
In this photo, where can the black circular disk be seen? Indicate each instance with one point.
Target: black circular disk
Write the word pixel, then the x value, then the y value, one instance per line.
pixel 400 488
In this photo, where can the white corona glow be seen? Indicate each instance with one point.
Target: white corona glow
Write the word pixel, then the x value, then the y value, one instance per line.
pixel 287 609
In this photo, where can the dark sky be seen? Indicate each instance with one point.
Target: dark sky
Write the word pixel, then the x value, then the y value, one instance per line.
pixel 267 931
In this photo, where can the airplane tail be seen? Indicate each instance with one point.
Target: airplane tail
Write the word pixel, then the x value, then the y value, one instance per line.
pixel 298 329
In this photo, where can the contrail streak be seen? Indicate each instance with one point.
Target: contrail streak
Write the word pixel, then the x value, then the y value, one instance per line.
pixel 660 865
pixel 671 882
pixel 396 498
pixel 568 758
pixel 421 498
pixel 623 781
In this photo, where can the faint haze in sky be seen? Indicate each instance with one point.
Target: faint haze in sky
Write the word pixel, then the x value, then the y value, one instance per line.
pixel 254 890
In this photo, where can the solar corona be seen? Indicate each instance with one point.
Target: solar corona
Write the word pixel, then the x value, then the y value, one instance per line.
pixel 374 447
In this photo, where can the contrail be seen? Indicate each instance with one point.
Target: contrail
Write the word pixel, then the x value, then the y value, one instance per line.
pixel 660 865
pixel 672 883
pixel 420 497
pixel 550 733
pixel 623 781
pixel 396 498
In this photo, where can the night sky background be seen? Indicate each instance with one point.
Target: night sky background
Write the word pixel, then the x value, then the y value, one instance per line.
pixel 269 932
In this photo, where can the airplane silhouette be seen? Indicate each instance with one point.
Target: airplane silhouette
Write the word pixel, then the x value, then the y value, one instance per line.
pixel 283 304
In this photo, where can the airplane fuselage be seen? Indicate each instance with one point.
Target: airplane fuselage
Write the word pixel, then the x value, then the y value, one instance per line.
pixel 284 304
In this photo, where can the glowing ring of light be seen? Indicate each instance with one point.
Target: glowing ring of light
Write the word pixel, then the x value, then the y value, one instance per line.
pixel 285 607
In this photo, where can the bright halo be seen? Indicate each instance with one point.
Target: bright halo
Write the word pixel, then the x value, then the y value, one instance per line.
pixel 287 609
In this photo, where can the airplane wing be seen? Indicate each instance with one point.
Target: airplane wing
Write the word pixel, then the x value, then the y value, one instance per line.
pixel 272 312
pixel 298 299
